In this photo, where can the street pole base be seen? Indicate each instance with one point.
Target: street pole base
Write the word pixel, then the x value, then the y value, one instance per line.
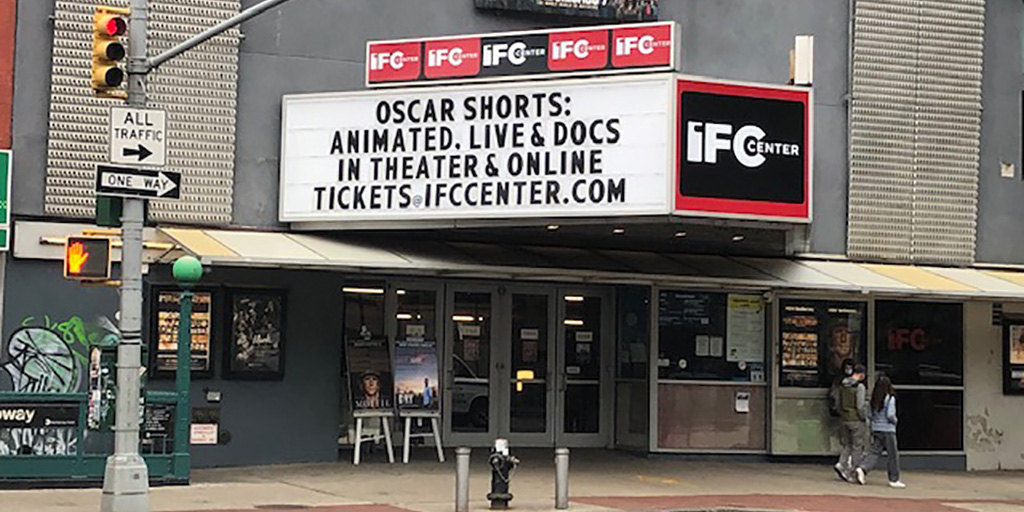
pixel 125 484
pixel 499 500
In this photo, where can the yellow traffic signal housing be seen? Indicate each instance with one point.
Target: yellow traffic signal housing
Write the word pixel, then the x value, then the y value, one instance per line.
pixel 109 24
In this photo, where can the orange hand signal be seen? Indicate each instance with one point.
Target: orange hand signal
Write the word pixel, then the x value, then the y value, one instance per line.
pixel 77 257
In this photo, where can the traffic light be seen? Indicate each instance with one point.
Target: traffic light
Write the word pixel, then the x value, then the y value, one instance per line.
pixel 108 25
pixel 87 258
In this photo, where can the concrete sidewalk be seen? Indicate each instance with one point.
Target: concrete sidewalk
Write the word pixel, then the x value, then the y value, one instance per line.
pixel 600 482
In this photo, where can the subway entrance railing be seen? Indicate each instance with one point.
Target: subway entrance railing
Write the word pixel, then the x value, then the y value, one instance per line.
pixel 45 438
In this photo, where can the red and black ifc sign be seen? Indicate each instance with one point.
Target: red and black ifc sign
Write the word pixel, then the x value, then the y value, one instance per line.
pixel 743 151
pixel 641 47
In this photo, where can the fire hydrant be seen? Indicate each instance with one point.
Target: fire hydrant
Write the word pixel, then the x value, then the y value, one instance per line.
pixel 503 464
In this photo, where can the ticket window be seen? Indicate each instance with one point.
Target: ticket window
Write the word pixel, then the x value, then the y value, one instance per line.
pixel 711 391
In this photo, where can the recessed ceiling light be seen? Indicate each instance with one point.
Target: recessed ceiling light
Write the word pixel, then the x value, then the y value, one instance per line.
pixel 619 231
pixel 737 238
pixel 553 227
pixel 680 234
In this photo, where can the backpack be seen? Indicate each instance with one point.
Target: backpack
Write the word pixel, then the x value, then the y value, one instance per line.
pixel 833 399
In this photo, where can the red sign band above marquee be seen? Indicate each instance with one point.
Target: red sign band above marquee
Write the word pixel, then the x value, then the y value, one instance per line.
pixel 536 53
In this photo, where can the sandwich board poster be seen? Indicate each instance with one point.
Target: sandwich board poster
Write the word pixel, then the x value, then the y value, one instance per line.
pixel 370 379
pixel 416 375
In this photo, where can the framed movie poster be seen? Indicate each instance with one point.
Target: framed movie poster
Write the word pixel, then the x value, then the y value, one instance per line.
pixel 255 348
pixel 165 323
pixel 1013 357
pixel 416 375
pixel 369 370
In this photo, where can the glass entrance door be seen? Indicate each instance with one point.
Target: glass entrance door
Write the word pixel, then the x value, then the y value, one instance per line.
pixel 584 371
pixel 470 366
pixel 527 363
pixel 528 404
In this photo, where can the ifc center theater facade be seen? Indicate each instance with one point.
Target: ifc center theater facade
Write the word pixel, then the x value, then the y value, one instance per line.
pixel 571 237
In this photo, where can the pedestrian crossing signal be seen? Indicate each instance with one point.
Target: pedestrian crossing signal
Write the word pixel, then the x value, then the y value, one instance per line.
pixel 87 258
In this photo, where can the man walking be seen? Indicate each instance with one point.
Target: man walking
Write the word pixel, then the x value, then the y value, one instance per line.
pixel 854 413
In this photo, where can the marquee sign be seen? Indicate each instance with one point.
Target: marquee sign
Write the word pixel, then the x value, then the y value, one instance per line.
pixel 536 53
pixel 567 148
pixel 743 151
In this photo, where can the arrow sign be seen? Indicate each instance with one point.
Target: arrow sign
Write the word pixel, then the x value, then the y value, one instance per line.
pixel 138 136
pixel 143 152
pixel 131 182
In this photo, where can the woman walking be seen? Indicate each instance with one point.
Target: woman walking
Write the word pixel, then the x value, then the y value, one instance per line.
pixel 883 433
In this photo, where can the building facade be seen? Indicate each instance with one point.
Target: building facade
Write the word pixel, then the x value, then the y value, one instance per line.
pixel 639 319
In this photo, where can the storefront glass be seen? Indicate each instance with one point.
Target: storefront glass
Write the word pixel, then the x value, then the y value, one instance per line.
pixel 816 337
pixel 710 336
pixel 920 346
pixel 632 389
pixel 920 343
pixel 530 361
pixel 582 330
pixel 471 356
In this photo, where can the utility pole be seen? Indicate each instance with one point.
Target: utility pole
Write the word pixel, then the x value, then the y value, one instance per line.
pixel 126 477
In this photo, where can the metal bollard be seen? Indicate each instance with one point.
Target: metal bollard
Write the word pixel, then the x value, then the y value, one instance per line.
pixel 462 479
pixel 561 478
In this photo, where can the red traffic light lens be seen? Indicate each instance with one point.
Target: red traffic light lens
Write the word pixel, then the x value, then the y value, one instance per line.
pixel 116 26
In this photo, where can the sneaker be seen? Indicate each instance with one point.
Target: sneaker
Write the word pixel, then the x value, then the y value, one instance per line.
pixel 897 485
pixel 841 472
pixel 860 476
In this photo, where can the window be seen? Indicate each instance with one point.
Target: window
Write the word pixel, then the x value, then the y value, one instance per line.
pixel 710 336
pixel 920 346
pixel 920 343
pixel 817 336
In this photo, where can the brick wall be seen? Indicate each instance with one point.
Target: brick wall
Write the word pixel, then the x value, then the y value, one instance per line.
pixel 7 17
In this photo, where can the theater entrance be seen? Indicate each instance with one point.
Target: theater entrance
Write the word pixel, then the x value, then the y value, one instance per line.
pixel 528 363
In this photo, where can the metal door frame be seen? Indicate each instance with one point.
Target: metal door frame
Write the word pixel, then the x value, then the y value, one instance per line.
pixel 451 437
pixel 603 437
pixel 504 348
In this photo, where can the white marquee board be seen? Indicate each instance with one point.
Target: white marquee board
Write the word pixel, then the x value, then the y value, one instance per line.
pixel 570 148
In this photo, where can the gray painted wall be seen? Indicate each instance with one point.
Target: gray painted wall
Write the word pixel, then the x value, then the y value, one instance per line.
pixel 313 46
pixel 292 420
pixel 999 199
pixel 36 294
pixel 33 40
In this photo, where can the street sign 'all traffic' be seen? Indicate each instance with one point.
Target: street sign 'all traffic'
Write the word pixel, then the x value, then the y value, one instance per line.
pixel 138 136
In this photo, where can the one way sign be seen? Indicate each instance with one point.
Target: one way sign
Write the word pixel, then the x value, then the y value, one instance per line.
pixel 138 136
pixel 131 182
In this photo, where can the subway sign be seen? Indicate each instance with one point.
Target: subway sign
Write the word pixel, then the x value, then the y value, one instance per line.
pixel 534 54
pixel 743 150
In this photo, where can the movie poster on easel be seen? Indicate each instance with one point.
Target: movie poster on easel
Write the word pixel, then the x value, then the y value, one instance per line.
pixel 416 375
pixel 369 370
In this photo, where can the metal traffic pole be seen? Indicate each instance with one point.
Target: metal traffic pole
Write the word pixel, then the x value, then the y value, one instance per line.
pixel 126 478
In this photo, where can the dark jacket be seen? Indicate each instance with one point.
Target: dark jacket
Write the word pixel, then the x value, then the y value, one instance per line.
pixel 853 404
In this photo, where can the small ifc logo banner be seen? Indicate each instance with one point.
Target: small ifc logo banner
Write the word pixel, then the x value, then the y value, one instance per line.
pixel 557 52
pixel 743 150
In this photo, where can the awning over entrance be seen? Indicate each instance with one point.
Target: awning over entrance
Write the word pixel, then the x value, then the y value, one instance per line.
pixel 518 262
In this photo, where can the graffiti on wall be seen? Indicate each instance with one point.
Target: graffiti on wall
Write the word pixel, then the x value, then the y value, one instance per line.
pixel 47 356
pixel 44 356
